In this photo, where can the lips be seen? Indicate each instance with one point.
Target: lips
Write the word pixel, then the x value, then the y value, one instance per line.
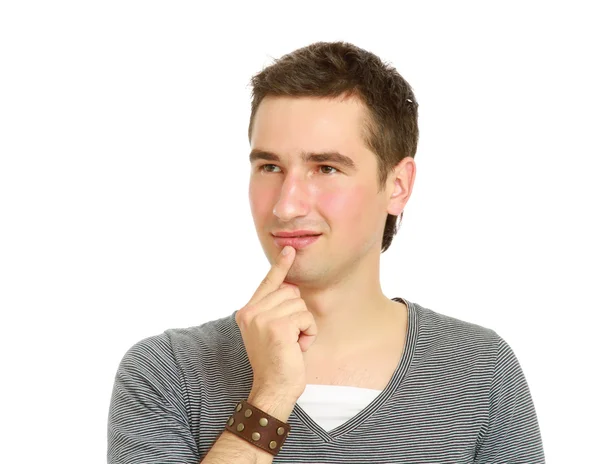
pixel 296 241
pixel 296 233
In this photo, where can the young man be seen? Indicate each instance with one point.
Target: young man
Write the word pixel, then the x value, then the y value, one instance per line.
pixel 320 360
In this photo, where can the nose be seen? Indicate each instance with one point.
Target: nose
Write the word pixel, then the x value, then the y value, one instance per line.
pixel 293 199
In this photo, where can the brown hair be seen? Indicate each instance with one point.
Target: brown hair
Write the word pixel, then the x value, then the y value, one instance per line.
pixel 332 69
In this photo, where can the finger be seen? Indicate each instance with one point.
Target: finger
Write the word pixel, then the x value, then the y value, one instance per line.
pixel 305 322
pixel 275 306
pixel 304 326
pixel 290 310
pixel 288 285
pixel 276 275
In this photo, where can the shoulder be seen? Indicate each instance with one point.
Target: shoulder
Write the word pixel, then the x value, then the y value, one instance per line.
pixel 185 351
pixel 441 329
pixel 212 342
pixel 167 346
pixel 214 334
pixel 452 345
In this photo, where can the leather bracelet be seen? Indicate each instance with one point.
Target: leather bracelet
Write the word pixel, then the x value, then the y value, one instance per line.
pixel 257 427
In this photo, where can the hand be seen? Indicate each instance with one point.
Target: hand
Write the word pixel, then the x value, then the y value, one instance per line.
pixel 277 328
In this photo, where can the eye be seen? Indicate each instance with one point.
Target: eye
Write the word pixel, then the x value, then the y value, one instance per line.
pixel 262 168
pixel 329 167
pixel 267 168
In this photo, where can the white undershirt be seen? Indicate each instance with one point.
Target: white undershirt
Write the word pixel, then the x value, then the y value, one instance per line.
pixel 332 405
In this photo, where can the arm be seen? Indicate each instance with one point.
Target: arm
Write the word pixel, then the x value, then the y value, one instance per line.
pixel 512 433
pixel 231 449
pixel 148 421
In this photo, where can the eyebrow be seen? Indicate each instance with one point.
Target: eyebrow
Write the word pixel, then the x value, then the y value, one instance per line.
pixel 307 157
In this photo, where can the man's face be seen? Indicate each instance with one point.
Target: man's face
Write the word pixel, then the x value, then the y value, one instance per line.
pixel 327 196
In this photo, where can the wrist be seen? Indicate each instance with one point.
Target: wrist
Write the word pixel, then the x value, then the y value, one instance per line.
pixel 280 407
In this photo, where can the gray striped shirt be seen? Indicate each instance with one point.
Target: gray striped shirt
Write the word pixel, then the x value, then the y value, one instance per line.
pixel 458 395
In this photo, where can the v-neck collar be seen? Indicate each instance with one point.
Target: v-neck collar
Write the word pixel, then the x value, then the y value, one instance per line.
pixel 372 408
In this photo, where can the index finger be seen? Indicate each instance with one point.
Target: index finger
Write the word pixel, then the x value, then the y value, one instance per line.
pixel 276 274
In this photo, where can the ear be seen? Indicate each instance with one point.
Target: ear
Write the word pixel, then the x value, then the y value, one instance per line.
pixel 400 185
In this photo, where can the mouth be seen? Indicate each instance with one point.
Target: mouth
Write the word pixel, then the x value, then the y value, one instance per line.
pixel 298 241
pixel 295 233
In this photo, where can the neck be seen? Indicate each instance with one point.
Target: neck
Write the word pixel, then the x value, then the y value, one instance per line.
pixel 350 312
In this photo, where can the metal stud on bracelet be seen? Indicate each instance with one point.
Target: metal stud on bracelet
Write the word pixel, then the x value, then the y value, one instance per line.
pixel 258 427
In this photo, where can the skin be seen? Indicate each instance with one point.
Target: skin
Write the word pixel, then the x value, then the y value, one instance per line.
pixel 338 275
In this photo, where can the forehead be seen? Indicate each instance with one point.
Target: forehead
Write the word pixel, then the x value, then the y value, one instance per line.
pixel 310 124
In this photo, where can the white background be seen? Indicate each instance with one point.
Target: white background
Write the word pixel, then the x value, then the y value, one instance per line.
pixel 124 175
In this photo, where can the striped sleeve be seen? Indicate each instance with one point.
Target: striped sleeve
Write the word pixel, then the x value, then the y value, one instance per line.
pixel 148 421
pixel 512 433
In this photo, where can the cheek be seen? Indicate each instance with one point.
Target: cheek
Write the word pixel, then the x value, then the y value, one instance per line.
pixel 259 200
pixel 344 206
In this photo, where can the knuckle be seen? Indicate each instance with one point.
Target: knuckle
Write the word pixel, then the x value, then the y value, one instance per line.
pixel 300 303
pixel 258 320
pixel 291 292
pixel 239 316
pixel 241 320
pixel 300 314
pixel 245 315
pixel 265 282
